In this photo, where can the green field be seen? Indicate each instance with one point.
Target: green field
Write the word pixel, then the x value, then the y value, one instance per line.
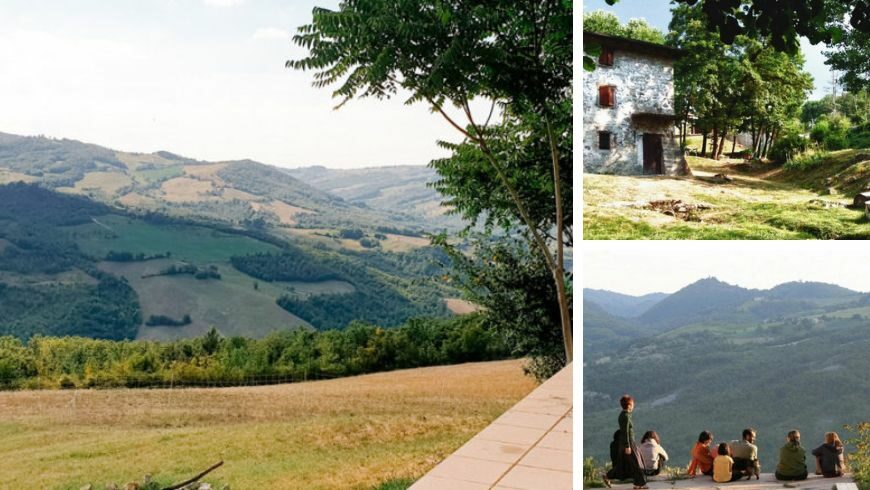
pixel 347 433
pixel 761 201
pixel 184 242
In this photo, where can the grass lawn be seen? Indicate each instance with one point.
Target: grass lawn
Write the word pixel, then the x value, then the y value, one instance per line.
pixel 759 202
pixel 358 432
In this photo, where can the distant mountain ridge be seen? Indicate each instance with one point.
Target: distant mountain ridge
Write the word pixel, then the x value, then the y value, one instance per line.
pixel 720 357
pixel 235 191
pixel 399 188
pixel 623 305
pixel 706 300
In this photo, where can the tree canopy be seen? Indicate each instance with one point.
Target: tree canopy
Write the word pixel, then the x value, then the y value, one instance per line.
pixel 516 55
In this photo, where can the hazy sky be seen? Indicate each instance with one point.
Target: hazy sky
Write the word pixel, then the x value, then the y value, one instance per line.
pixel 636 268
pixel 658 14
pixel 203 78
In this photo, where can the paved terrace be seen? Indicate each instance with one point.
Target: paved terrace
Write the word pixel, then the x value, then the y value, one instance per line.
pixel 527 448
pixel 766 482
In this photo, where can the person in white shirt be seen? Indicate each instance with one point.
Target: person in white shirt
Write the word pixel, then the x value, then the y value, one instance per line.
pixel 654 455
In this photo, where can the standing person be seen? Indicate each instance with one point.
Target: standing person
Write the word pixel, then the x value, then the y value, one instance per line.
pixel 792 459
pixel 654 455
pixel 630 458
pixel 829 456
pixel 745 453
pixel 702 458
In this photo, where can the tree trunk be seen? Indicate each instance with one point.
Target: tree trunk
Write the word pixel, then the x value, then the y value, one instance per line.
pixel 734 144
pixel 756 145
pixel 766 145
pixel 715 143
pixel 559 273
pixel 721 144
pixel 704 145
pixel 772 141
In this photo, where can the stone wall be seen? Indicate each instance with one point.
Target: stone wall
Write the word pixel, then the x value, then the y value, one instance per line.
pixel 644 84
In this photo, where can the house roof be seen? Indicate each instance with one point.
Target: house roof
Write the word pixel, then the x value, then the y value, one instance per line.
pixel 633 45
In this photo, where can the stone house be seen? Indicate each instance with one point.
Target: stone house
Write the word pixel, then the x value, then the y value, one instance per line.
pixel 628 104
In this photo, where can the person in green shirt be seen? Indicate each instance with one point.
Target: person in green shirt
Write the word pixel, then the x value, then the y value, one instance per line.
pixel 792 459
pixel 630 464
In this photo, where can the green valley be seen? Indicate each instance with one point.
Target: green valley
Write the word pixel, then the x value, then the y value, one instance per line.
pixel 719 357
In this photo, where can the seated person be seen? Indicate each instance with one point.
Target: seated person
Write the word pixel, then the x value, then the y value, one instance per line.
pixel 745 453
pixel 829 456
pixel 702 458
pixel 723 466
pixel 792 459
pixel 654 455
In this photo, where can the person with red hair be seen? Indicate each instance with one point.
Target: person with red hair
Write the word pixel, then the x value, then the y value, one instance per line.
pixel 629 464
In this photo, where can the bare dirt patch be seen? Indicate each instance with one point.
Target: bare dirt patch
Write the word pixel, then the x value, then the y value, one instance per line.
pixel 678 209
pixel 460 306
pixel 186 189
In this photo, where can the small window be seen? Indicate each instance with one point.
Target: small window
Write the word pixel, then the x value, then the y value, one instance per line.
pixel 606 96
pixel 604 140
pixel 606 56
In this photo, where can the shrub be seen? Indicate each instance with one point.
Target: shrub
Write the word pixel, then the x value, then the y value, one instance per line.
pixel 807 160
pixel 831 131
pixel 787 147
pixel 859 460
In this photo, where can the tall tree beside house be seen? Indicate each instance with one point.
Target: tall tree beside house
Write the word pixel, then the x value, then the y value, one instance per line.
pixel 745 86
pixel 517 55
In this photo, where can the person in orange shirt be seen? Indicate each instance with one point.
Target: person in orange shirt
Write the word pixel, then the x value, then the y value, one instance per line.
pixel 702 458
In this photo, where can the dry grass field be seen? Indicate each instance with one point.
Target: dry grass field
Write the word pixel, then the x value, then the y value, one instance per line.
pixel 345 433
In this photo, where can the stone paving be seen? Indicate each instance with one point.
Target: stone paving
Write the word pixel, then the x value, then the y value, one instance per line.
pixel 527 448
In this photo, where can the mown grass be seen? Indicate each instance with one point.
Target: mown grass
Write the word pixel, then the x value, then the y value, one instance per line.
pixel 760 202
pixel 375 431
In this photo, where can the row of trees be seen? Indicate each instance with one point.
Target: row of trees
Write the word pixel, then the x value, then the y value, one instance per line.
pixel 66 362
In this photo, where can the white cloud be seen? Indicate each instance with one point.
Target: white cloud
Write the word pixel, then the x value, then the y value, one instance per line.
pixel 271 33
pixel 223 3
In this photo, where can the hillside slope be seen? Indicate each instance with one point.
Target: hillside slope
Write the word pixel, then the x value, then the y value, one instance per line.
pixel 758 201
pixel 395 189
pixel 72 266
pixel 345 433
pixel 622 305
pixel 234 192
pixel 774 362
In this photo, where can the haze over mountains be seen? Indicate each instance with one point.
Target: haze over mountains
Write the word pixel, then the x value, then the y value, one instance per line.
pixel 112 244
pixel 715 356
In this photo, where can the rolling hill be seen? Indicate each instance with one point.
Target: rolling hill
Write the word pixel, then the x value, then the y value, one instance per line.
pixel 235 192
pixel 394 189
pixel 623 305
pixel 788 357
pixel 70 265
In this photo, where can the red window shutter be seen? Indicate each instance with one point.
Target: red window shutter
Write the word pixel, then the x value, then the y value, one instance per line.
pixel 605 96
pixel 612 97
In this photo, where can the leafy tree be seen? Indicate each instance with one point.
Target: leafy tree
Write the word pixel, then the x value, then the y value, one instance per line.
pixel 785 21
pixel 515 54
pixel 604 22
pixel 514 287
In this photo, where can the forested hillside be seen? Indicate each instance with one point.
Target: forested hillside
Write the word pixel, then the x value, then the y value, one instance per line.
pixel 773 359
pixel 73 266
